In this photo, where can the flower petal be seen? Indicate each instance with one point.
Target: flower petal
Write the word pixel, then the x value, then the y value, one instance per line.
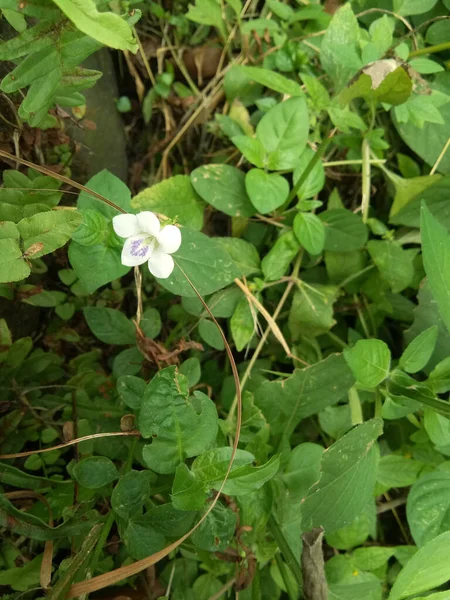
pixel 135 251
pixel 169 239
pixel 125 225
pixel 148 223
pixel 161 264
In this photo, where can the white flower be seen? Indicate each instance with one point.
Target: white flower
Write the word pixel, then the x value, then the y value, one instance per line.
pixel 146 241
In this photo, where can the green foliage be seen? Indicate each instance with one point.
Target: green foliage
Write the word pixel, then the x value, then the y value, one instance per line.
pixel 300 152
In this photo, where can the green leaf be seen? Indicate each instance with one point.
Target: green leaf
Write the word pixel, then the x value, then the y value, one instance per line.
pixel 434 197
pixel 267 191
pixel 151 323
pixel 207 12
pixel 307 392
pixel 381 81
pixel 428 507
pixel 49 230
pixel 130 494
pixel 413 7
pixel 142 539
pixel 244 255
pixel 339 50
pixel 437 427
pixel 427 569
pixel 208 266
pixel 96 265
pixel 394 263
pixel 311 311
pixel 302 469
pixel 356 532
pixel 223 186
pixel 110 186
pixel 407 189
pixel 272 80
pixel 175 198
pixel 419 351
pixel 276 262
pixel 395 471
pixel 210 334
pixel 93 230
pixel 13 266
pixel 345 231
pixel 184 427
pixel 315 180
pixel 192 370
pixel 242 324
pixel 246 479
pixel 127 362
pixel 188 492
pixel 105 27
pixel 369 361
pixel 216 531
pixel 22 578
pixel 347 479
pixel 251 148
pixel 283 132
pixel 95 472
pixel 109 325
pixel 310 232
pixel 131 390
pixel 435 250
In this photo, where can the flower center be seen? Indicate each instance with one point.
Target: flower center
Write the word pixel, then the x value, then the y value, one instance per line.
pixel 143 247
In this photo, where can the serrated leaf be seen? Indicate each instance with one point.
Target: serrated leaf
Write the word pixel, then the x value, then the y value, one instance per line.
pixel 183 426
pixel 50 230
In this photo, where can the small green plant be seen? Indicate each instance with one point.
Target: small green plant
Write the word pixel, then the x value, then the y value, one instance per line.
pixel 241 373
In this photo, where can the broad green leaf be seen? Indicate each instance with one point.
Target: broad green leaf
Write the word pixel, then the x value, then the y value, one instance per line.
pixel 429 140
pixel 183 426
pixel 246 479
pixel 439 378
pixel 208 266
pixel 151 323
pixel 188 492
pixel 169 521
pixel 428 507
pixel 13 266
pixel 131 390
pixel 372 558
pixel 192 370
pixel 395 471
pixel 413 7
pixel 394 263
pixel 242 324
pixel 93 230
pixel 419 351
pixel 109 325
pixel 437 427
pixel 175 198
pixel 211 466
pixel 427 314
pixel 95 472
pixel 106 27
pixel 381 81
pixel 110 186
pixel 33 67
pixel 305 393
pixel 345 231
pixel 436 255
pixel 207 12
pixel 369 361
pixel 347 479
pixel 244 255
pixel 130 493
pixel 340 265
pixel 96 265
pixel 223 186
pixel 267 191
pixel 311 311
pixel 407 189
pixel 217 530
pixel 272 80
pixel 302 469
pixel 223 303
pixel 210 334
pixel 427 569
pixel 336 420
pixel 318 93
pixel 276 262
pixel 251 148
pixel 283 132
pixel 142 539
pixel 315 180
pixel 434 197
pixel 310 232
pixel 356 532
pixel 22 578
pixel 339 50
pixel 49 230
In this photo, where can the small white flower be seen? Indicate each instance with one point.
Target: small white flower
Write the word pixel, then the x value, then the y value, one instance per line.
pixel 146 241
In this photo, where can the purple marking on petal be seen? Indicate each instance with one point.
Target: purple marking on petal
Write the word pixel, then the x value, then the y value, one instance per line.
pixel 138 248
